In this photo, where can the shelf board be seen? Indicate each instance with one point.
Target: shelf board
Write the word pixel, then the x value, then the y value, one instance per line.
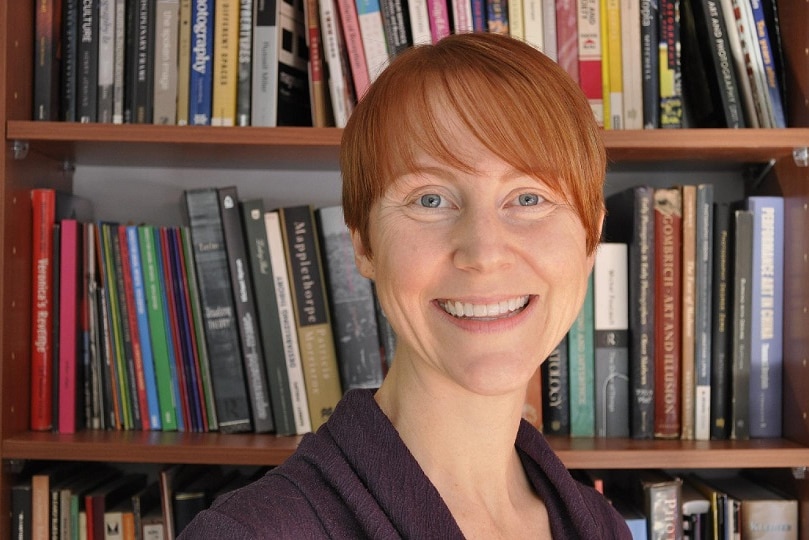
pixel 252 449
pixel 315 148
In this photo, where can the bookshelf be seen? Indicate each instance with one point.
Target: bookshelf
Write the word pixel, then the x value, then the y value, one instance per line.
pixel 45 153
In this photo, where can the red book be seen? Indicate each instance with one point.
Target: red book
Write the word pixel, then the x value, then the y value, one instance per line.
pixel 350 23
pixel 590 55
pixel 567 37
pixel 668 311
pixel 68 324
pixel 132 322
pixel 43 210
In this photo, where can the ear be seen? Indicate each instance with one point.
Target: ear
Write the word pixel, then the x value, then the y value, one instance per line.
pixel 362 258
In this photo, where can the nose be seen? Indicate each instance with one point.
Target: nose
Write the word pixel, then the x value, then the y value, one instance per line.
pixel 482 241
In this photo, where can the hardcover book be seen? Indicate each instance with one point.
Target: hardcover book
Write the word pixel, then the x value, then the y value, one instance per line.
pixel 225 62
pixel 70 61
pixel 581 359
pixel 221 328
pixel 255 368
pixel 350 28
pixel 139 104
pixel 721 311
pixel 742 316
pixel 264 86
pixel 671 91
pixel 650 62
pixel 351 301
pixel 373 36
pixel 688 303
pixel 555 392
pixel 631 64
pixel 167 71
pixel 567 37
pixel 310 302
pixel 106 59
pixel 661 497
pixel 244 75
pixel 292 98
pixel 337 70
pixel 47 59
pixel 702 311
pixel 590 56
pixel 87 63
pixel 200 105
pixel 763 512
pixel 611 336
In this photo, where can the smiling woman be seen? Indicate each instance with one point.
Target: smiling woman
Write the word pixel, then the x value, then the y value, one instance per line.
pixel 473 174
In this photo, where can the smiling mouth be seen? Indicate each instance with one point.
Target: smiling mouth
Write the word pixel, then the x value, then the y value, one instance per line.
pixel 497 310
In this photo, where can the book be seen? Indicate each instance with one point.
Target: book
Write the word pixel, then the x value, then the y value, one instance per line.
pixel 396 23
pixel 119 61
pixel 591 55
pixel 372 31
pixel 737 55
pixel 69 382
pixel 771 77
pixel 420 22
pixel 766 316
pixel 438 14
pixel 47 59
pixel 696 510
pixel 717 505
pixel 497 18
pixel 87 63
pixel 660 497
pixel 752 62
pixel 264 57
pixel 200 98
pixel 635 518
pixel 667 317
pixel 20 518
pixel 549 30
pixel 184 61
pixel 516 19
pixel 106 60
pixel 742 317
pixel 630 219
pixel 312 318
pixel 613 68
pixel 140 28
pixel 68 73
pixel 721 310
pixel 763 512
pixel 351 301
pixel 567 37
pixel 336 63
pixel 166 48
pixel 201 207
pixel 98 501
pixel 533 27
pixel 703 279
pixel 269 323
pixel 671 91
pixel 252 353
pixel 292 98
pixel 650 62
pixel 244 74
pixel 581 367
pixel 611 339
pixel 319 101
pixel 688 198
pixel 286 316
pixel 354 50
pixel 631 64
pixel 555 391
pixel 225 62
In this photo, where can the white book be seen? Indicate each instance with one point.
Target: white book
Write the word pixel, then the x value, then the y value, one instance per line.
pixel 631 64
pixel 516 19
pixel 755 65
pixel 342 100
pixel 106 58
pixel 549 22
pixel 263 110
pixel 533 23
pixel 167 13
pixel 373 36
pixel 119 54
pixel 419 21
pixel 462 15
pixel 283 294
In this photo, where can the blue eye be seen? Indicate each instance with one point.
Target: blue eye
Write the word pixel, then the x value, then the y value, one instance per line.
pixel 431 200
pixel 528 199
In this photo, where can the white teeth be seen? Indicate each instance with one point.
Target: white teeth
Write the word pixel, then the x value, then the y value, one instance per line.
pixel 498 309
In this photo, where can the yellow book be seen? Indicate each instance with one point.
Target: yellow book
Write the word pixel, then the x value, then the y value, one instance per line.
pixel 516 23
pixel 225 62
pixel 605 63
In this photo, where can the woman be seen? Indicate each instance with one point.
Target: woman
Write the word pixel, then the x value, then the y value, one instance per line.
pixel 473 172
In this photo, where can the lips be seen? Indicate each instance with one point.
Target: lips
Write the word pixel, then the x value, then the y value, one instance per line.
pixel 494 310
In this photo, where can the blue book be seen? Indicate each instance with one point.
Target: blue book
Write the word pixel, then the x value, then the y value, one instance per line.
pixel 143 326
pixel 581 363
pixel 201 77
pixel 766 316
pixel 778 117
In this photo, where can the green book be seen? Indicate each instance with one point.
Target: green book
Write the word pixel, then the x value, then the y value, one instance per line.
pixel 581 366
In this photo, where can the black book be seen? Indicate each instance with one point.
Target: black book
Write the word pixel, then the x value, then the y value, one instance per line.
pixel 741 317
pixel 247 321
pixel 70 60
pixel 139 74
pixel 720 321
pixel 650 59
pixel 396 22
pixel 21 510
pixel 630 220
pixel 269 321
pixel 195 496
pixel 87 74
pixel 47 59
pixel 201 208
pixel 555 393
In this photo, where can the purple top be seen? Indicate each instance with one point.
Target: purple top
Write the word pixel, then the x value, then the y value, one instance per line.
pixel 356 478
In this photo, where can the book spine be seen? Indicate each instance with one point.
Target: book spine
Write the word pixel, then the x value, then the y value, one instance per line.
pixel 766 316
pixel 611 339
pixel 245 70
pixel 244 301
pixel 318 85
pixel 263 95
pixel 106 59
pixel 739 64
pixel 668 293
pixel 336 61
pixel 318 354
pixel 581 361
pixel 293 81
pixel 91 362
pixel 688 303
pixel 420 21
pixel 771 77
pixel 87 75
pixel 183 61
pixel 143 337
pixel 631 64
pixel 438 15
pixel 47 51
pixel 70 59
pixel 720 321
pixel 350 23
pixel 752 62
pixel 397 26
pixel 43 211
pixel 286 316
pixel 140 44
pixel 650 62
pixel 516 19
pixel 702 312
pixel 671 93
pixel 741 339
pixel 497 20
pixel 225 62
pixel 153 292
pixel 612 40
pixel 352 304
pixel 549 30
pixel 68 325
pixel 201 74
pixel 166 34
pixel 110 326
pixel 119 61
pixel 567 37
pixel 221 333
pixel 373 36
pixel 269 323
pixel 533 26
pixel 555 392
pixel 590 56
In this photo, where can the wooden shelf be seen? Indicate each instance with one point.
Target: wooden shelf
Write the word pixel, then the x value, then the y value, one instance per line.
pixel 315 148
pixel 251 449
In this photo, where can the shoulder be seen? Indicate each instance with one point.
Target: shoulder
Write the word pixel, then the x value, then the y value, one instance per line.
pixel 270 506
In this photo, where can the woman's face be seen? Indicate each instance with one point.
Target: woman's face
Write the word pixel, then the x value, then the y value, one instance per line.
pixel 480 274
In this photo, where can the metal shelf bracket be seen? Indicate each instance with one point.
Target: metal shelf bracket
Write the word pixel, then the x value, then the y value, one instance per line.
pixel 19 149
pixel 801 156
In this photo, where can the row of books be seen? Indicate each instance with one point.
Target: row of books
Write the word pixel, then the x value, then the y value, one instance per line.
pixel 698 505
pixel 680 334
pixel 240 320
pixel 96 501
pixel 670 64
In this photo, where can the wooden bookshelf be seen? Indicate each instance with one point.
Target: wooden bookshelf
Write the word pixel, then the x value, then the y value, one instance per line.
pixel 44 153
